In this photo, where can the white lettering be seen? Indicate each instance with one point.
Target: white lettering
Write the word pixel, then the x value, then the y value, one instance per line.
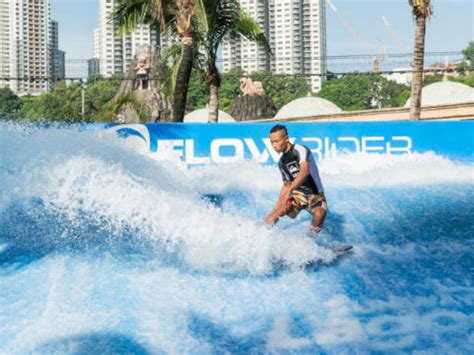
pixel 330 148
pixel 259 157
pixel 216 146
pixel 190 158
pixel 166 147
pixel 318 148
pixel 228 150
pixel 406 149
pixel 353 140
pixel 366 148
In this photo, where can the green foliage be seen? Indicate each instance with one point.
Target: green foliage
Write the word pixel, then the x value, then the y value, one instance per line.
pixel 198 91
pixel 10 104
pixel 465 79
pixel 366 91
pixel 97 94
pixel 230 88
pixel 282 89
pixel 469 54
pixel 430 79
pixel 126 100
pixel 63 103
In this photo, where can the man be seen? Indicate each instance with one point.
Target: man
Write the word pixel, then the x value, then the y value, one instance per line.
pixel 302 187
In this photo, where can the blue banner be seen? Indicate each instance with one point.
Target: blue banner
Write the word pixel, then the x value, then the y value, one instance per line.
pixel 201 143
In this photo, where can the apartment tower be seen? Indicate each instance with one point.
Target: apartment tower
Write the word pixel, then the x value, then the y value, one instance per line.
pixel 25 48
pixel 116 52
pixel 57 59
pixel 296 30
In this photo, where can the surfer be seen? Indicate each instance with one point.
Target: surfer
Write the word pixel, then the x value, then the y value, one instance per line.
pixel 302 187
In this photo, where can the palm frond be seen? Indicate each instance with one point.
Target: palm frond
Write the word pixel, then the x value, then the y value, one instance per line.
pixel 201 15
pixel 247 27
pixel 226 14
pixel 421 8
pixel 171 56
pixel 130 100
pixel 128 14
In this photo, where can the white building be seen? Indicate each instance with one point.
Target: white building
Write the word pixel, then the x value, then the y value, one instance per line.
pixel 4 43
pixel 96 35
pixel 244 54
pixel 296 30
pixel 116 52
pixel 25 47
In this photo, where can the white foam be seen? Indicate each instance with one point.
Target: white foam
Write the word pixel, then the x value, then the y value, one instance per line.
pixel 206 237
pixel 92 172
pixel 92 175
pixel 375 170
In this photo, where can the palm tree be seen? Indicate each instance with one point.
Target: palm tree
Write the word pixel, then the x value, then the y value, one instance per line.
pixel 177 14
pixel 219 19
pixel 421 10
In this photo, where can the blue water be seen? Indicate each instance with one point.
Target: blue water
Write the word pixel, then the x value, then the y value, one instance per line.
pixel 106 248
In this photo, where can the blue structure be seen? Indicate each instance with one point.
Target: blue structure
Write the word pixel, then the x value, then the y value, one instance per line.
pixel 105 249
pixel 198 144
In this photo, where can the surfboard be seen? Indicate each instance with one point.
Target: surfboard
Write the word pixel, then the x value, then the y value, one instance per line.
pixel 341 249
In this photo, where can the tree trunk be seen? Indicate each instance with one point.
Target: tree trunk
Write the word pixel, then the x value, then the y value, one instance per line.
pixel 214 83
pixel 418 59
pixel 183 76
pixel 214 104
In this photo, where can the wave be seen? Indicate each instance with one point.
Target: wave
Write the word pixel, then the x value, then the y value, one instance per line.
pixel 87 174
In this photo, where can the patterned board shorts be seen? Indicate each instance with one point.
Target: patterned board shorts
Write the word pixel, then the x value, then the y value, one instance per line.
pixel 300 201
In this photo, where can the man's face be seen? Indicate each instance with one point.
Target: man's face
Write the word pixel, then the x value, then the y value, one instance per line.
pixel 279 140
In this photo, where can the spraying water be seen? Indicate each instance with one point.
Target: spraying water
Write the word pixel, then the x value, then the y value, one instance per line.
pixel 105 248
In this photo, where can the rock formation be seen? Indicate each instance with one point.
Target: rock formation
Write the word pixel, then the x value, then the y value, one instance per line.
pixel 139 98
pixel 253 104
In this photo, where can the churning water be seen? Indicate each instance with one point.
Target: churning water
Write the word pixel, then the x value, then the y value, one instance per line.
pixel 107 249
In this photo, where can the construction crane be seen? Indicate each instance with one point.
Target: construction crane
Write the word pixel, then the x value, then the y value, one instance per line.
pixel 378 58
pixel 349 26
pixel 395 38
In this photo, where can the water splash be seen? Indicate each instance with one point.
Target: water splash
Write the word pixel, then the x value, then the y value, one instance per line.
pixel 107 248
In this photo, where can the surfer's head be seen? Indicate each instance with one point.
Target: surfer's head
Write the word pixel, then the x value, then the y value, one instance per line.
pixel 279 138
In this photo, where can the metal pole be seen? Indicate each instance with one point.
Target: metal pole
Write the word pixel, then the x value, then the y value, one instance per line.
pixel 83 102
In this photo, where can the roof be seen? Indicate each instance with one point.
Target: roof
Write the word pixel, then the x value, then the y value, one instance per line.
pixel 307 106
pixel 445 93
pixel 202 115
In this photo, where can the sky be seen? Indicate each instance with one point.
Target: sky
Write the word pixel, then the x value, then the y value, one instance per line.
pixel 355 28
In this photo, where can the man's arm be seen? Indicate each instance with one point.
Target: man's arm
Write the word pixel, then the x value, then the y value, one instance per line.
pixel 288 186
pixel 301 177
pixel 293 185
pixel 280 205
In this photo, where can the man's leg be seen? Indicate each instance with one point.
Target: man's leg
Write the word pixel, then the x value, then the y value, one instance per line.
pixel 319 214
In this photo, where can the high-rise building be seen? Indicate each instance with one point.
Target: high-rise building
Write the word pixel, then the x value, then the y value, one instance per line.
pixel 117 51
pixel 96 35
pixel 244 54
pixel 93 67
pixel 5 31
pixel 57 57
pixel 59 68
pixel 296 30
pixel 93 64
pixel 25 31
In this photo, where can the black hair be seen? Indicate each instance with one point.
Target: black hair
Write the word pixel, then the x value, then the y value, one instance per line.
pixel 277 128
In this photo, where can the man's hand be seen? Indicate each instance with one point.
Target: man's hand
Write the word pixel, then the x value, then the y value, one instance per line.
pixel 280 208
pixel 270 220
